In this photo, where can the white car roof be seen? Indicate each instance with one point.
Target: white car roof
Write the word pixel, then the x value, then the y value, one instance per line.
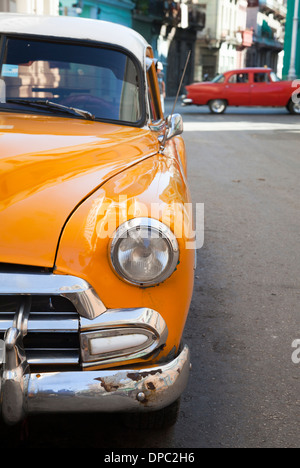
pixel 75 28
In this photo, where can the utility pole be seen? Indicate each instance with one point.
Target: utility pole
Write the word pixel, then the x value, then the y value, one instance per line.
pixel 292 71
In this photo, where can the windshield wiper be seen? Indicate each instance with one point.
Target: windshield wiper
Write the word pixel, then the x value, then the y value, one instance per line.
pixel 54 106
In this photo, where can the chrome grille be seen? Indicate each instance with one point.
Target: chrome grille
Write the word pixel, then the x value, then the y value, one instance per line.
pixel 51 338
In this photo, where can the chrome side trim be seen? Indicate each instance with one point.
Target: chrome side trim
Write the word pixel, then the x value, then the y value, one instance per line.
pixel 77 290
pixel 116 323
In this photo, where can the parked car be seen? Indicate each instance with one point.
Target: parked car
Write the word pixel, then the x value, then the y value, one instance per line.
pixel 95 274
pixel 244 87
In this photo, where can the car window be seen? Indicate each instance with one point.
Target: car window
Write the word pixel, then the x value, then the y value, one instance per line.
pixel 239 78
pixel 262 77
pixel 274 77
pixel 99 80
pixel 153 93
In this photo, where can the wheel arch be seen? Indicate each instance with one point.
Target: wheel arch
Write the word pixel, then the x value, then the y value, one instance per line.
pixel 218 99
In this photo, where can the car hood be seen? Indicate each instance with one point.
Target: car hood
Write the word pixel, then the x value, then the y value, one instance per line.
pixel 48 166
pixel 201 83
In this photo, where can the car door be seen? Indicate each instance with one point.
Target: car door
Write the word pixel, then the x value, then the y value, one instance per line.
pixel 237 89
pixel 265 92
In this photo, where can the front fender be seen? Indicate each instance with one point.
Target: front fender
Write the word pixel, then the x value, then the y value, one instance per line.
pixel 155 188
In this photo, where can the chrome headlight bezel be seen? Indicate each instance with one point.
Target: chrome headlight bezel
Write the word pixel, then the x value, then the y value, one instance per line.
pixel 158 229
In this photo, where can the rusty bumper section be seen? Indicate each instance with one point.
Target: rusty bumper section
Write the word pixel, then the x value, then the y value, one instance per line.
pixel 120 390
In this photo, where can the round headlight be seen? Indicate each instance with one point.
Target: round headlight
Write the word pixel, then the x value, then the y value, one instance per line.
pixel 144 251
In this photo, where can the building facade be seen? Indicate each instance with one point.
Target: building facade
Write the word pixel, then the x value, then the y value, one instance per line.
pixel 37 7
pixel 267 19
pixel 147 20
pixel 181 39
pixel 223 43
pixel 171 26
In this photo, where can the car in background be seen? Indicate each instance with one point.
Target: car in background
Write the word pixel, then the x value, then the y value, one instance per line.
pixel 244 87
pixel 96 276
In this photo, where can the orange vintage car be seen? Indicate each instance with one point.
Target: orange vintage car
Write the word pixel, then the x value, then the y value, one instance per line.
pixel 96 263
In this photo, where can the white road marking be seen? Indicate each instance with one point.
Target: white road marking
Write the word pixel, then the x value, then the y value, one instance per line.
pixel 240 126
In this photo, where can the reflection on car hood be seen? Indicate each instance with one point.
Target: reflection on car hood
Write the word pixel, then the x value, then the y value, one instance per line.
pixel 48 166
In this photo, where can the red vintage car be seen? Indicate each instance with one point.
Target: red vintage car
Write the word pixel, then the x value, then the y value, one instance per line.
pixel 245 87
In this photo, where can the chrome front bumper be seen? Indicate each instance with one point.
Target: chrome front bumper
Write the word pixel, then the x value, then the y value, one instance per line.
pixel 26 389
pixel 119 390
pixel 186 101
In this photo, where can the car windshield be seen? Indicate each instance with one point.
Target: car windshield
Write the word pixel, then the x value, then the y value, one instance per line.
pixel 98 80
pixel 218 79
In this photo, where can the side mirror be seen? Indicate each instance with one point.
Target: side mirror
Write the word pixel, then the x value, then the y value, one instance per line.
pixel 174 126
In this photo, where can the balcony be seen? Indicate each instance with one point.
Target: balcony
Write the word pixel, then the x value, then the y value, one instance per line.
pixel 276 7
pixel 150 8
pixel 158 9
